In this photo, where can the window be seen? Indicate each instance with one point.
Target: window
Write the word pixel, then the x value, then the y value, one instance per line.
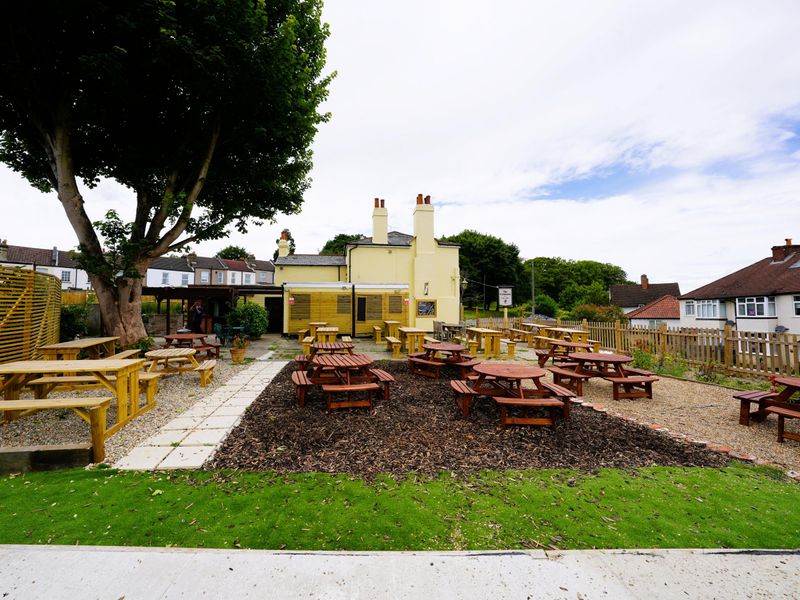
pixel 374 308
pixel 184 279
pixel 233 278
pixel 688 308
pixel 248 278
pixel 65 276
pixel 710 309
pixel 395 305
pixel 755 306
pixel 203 276
pixel 797 306
pixel 165 279
pixel 343 304
pixel 262 277
pixel 219 276
pixel 654 323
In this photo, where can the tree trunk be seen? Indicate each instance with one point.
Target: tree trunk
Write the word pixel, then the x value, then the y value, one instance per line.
pixel 121 308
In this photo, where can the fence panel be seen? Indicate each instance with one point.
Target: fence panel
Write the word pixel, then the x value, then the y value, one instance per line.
pixel 30 312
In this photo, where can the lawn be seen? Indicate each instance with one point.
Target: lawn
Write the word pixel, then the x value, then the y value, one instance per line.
pixel 737 506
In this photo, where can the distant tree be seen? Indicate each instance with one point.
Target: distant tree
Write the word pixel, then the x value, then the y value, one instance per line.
pixel 573 282
pixel 290 240
pixel 545 305
pixel 337 245
pixel 233 253
pixel 595 313
pixel 205 111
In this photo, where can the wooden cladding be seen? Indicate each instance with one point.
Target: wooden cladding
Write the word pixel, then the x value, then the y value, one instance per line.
pixel 374 308
pixel 301 309
pixel 344 305
pixel 337 310
pixel 30 313
pixel 395 305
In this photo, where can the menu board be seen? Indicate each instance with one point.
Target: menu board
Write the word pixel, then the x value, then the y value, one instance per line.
pixel 426 308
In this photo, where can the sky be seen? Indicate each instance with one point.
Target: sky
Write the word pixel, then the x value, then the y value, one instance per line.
pixel 658 136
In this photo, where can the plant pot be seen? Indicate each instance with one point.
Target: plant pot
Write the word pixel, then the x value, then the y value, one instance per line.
pixel 237 355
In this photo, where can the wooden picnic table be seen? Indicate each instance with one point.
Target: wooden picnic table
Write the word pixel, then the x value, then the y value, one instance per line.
pixel 565 333
pixel 600 364
pixel 332 347
pixel 521 334
pixel 489 338
pixel 560 350
pixel 197 341
pixel 390 328
pixel 508 378
pixel 314 325
pixel 344 366
pixel 14 376
pixel 96 348
pixel 327 334
pixel 165 356
pixel 454 352
pixel 412 338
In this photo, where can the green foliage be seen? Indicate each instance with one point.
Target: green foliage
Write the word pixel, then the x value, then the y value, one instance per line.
pixel 253 317
pixel 144 344
pixel 594 313
pixel 336 246
pixel 73 321
pixel 554 275
pixel 643 360
pixel 659 507
pixel 545 305
pixel 233 253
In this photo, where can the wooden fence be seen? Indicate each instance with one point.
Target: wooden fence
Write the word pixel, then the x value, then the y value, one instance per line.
pixel 30 312
pixel 728 350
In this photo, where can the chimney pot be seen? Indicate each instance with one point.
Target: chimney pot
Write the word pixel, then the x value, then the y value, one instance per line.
pixel 427 199
pixel 645 283
pixel 419 198
pixel 788 241
pixel 383 203
pixel 377 203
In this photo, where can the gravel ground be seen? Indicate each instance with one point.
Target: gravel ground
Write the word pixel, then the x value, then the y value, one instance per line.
pixel 176 393
pixel 702 411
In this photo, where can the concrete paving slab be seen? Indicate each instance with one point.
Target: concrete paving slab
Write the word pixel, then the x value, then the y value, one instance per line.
pixel 183 423
pixel 220 422
pixel 190 457
pixel 166 438
pixel 66 572
pixel 144 458
pixel 205 437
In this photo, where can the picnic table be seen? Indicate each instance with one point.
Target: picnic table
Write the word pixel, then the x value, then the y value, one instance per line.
pixel 390 328
pixel 197 341
pixel 121 376
pixel 453 351
pixel 489 338
pixel 96 348
pixel 165 356
pixel 507 378
pixel 412 338
pixel 764 400
pixel 314 325
pixel 565 333
pixel 332 347
pixel 327 334
pixel 600 364
pixel 559 350
pixel 344 366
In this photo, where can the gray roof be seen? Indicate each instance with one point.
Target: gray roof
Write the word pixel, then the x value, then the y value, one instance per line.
pixel 41 256
pixel 209 262
pixel 262 265
pixel 171 263
pixel 395 238
pixel 310 260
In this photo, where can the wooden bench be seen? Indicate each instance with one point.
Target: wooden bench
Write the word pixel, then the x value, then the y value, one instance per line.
pixel 431 340
pixel 385 378
pixel 91 410
pixel 370 389
pixel 465 367
pixel 148 384
pixel 784 413
pixel 635 371
pixel 393 345
pixel 206 370
pixel 595 344
pixel 569 378
pixel 347 339
pixel 307 341
pixel 473 346
pixel 134 353
pixel 301 361
pixel 427 368
pixel 463 394
pixel 511 345
pixel 553 406
pixel 211 351
pixel 635 386
pixel 301 384
pixel 560 392
pixel 376 332
pixel 302 334
pixel 756 397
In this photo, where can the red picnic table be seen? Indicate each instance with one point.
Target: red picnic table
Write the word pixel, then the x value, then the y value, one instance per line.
pixel 600 364
pixel 559 351
pixel 332 348
pixel 343 366
pixel 196 341
pixel 454 352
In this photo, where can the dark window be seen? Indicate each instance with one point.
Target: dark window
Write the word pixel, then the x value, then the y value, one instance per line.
pixel 361 309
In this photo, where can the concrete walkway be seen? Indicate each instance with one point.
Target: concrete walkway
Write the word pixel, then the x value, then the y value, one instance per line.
pixel 189 440
pixel 67 572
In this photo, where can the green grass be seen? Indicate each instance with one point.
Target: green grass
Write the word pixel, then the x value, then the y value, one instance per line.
pixel 739 506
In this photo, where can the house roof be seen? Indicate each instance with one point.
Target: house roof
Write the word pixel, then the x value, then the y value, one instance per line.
pixel 310 260
pixel 262 265
pixel 209 262
pixel 666 307
pixel 171 263
pixel 41 256
pixel 237 265
pixel 635 295
pixel 395 238
pixel 763 278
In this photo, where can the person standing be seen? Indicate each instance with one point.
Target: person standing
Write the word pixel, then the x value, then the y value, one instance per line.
pixel 196 313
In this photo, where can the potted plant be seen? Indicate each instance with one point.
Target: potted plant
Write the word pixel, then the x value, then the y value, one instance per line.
pixel 239 348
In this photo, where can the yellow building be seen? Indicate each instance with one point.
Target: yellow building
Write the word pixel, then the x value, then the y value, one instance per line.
pixel 413 279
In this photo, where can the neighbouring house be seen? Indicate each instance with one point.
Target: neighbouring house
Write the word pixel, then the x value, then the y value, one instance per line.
pixel 664 310
pixel 761 297
pixel 169 271
pixel 264 270
pixel 208 270
pixel 54 261
pixel 239 272
pixel 413 279
pixel 629 297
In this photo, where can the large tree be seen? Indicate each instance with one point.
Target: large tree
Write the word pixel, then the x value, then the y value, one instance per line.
pixel 204 109
pixel 337 245
pixel 233 253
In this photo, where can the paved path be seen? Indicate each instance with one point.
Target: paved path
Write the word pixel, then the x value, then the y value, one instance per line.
pixel 189 440
pixel 68 572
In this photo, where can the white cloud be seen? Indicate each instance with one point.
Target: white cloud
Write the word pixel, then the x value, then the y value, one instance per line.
pixel 478 104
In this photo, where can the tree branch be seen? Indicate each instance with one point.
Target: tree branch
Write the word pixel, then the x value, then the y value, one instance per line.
pixel 157 224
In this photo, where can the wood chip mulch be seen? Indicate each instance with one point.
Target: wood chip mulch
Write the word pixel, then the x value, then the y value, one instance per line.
pixel 420 430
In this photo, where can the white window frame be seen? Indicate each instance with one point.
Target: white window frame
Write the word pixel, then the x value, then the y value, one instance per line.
pixel 220 277
pixel 688 308
pixel 164 278
pixel 184 279
pixel 262 277
pixel 796 306
pixel 753 307
pixel 66 277
pixel 233 278
pixel 248 278
pixel 710 309
pixel 204 276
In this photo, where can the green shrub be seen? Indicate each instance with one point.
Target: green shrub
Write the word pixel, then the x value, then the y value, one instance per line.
pixel 643 360
pixel 595 313
pixel 545 305
pixel 73 321
pixel 673 366
pixel 253 317
pixel 144 344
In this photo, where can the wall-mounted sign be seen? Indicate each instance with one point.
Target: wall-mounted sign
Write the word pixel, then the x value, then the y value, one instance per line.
pixel 291 301
pixel 504 296
pixel 426 308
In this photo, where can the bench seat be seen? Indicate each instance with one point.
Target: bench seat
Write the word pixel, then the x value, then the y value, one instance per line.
pixel 759 398
pixel 635 371
pixel 307 341
pixel 369 388
pixel 569 378
pixel 511 345
pixel 42 386
pixel 635 386
pixel 393 345
pixel 427 368
pixel 465 367
pixel 301 384
pixel 376 333
pixel 784 413
pixel 554 406
pixel 463 395
pixel 133 353
pixel 302 333
pixel 206 370
pixel 384 378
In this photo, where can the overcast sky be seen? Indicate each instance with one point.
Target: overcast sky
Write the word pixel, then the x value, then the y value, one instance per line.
pixel 659 136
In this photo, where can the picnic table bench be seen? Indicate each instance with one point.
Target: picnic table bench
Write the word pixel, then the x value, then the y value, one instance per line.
pixel 393 345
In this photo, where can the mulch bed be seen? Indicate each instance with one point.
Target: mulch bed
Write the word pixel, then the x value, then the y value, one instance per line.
pixel 420 430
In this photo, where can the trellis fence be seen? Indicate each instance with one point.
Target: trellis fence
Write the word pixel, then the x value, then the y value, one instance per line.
pixel 728 350
pixel 30 312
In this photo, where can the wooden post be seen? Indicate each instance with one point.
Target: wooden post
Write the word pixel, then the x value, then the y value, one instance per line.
pixel 617 336
pixel 505 318
pixel 477 317
pixel 727 342
pixel 662 339
pixel 585 324
pixel 558 321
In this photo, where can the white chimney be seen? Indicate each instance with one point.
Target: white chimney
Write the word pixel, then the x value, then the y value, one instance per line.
pixel 54 257
pixel 380 223
pixel 423 224
pixel 283 245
